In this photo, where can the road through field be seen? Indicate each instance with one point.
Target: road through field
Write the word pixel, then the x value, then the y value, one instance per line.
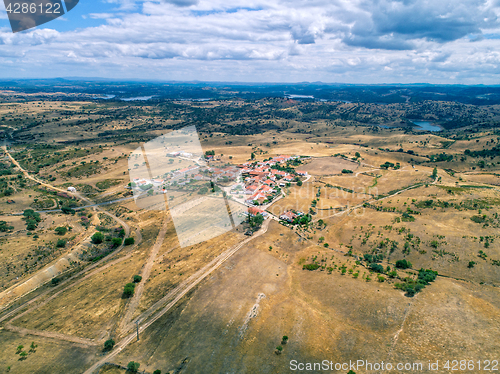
pixel 146 272
pixel 67 281
pixel 179 292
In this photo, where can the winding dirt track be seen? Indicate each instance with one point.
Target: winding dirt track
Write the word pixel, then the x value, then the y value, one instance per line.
pixel 39 300
pixel 146 272
pixel 177 294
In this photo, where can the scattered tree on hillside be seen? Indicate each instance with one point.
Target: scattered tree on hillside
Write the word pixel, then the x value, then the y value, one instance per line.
pixel 108 345
pixel 128 290
pixel 434 174
pixel 61 230
pixel 133 366
pixel 98 237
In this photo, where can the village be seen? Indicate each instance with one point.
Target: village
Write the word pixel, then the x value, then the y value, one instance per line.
pixel 255 184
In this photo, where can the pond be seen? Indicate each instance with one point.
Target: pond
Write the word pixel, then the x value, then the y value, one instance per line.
pixel 426 126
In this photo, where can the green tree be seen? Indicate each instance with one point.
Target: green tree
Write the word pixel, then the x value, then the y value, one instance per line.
pixel 23 355
pixel 128 290
pixel 252 156
pixel 137 278
pixel 108 345
pixel 19 349
pixel 133 366
pixel 471 264
pixel 434 173
pixel 279 349
pixel 61 243
pixel 61 230
pixel 403 264
pixel 98 237
pixel 68 210
pixel 116 242
pixel 284 340
pixel 299 183
pixel 158 371
pixel 256 221
pixel 129 241
pixel 33 347
pixel 377 267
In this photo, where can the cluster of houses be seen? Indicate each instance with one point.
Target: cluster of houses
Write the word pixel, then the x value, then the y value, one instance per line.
pixel 261 179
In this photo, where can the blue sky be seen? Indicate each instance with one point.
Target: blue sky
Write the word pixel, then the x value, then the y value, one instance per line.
pixel 354 41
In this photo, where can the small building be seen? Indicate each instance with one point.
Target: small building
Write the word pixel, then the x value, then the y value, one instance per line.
pixel 253 211
pixel 288 216
pixel 71 189
pixel 302 173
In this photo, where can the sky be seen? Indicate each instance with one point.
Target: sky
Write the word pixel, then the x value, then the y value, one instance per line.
pixel 332 41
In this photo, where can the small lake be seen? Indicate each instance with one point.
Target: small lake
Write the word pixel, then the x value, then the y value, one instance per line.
pixel 105 97
pixel 299 96
pixel 138 98
pixel 426 126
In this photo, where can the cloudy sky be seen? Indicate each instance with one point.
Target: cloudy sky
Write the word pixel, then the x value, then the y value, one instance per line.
pixel 354 41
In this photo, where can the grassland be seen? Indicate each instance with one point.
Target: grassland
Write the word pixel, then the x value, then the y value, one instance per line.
pixel 330 285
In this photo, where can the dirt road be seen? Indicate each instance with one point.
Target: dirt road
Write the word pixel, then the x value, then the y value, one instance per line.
pixel 146 272
pixel 179 292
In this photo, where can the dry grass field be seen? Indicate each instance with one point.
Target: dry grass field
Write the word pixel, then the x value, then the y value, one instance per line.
pixel 331 285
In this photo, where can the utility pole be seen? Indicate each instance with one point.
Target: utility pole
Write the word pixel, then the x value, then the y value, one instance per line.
pixel 137 325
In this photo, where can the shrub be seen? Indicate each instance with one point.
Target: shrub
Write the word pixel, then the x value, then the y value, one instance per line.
pixel 381 278
pixel 403 264
pixel 393 274
pixel 109 344
pixel 133 366
pixel 310 267
pixel 347 171
pixel 61 243
pixel 68 210
pixel 129 241
pixel 158 371
pixel 471 264
pixel 61 230
pixel 407 218
pixel 377 268
pixel 425 276
pixel 434 244
pixel 55 281
pixel 116 242
pixel 137 278
pixel 128 290
pixel 98 237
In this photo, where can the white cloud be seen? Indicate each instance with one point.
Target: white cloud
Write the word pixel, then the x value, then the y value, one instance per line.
pixel 329 40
